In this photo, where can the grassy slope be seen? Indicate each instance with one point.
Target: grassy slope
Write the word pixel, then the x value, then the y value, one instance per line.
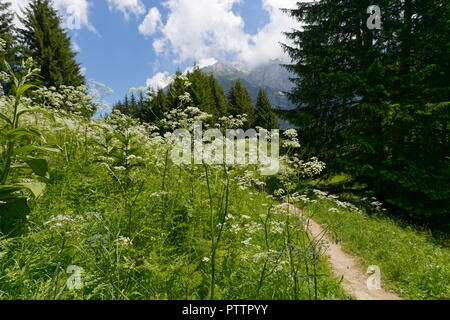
pixel 85 218
pixel 412 264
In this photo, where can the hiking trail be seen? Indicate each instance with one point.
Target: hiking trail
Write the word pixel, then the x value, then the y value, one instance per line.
pixel 346 266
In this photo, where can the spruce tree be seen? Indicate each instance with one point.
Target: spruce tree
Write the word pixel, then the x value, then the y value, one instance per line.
pixel 49 45
pixel 265 116
pixel 140 105
pixel 126 103
pixel 201 92
pixel 371 101
pixel 119 106
pixel 241 103
pixel 133 110
pixel 176 89
pixel 123 107
pixel 220 101
pixel 155 107
pixel 7 34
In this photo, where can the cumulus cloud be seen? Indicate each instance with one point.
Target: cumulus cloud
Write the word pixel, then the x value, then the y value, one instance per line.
pixel 160 80
pixel 151 22
pixel 127 7
pixel 75 14
pixel 200 29
pixel 203 63
pixel 209 28
pixel 17 6
pixel 163 79
pixel 265 45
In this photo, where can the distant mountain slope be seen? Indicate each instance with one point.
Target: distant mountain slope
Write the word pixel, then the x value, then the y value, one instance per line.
pixel 271 76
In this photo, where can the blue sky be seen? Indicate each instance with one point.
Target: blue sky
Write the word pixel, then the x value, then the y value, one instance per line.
pixel 137 43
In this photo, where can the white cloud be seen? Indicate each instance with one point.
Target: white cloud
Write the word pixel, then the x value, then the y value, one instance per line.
pixel 159 45
pixel 163 79
pixel 203 63
pixel 75 46
pixel 200 29
pixel 73 12
pixel 151 22
pixel 127 7
pixel 160 81
pixel 209 28
pixel 16 7
pixel 265 45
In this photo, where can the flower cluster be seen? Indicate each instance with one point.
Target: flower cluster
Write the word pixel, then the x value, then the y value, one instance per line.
pixel 73 99
pixel 184 118
pixel 232 122
pixel 334 199
pixel 291 139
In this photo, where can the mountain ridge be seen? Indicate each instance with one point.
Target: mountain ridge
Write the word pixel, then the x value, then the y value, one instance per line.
pixel 272 77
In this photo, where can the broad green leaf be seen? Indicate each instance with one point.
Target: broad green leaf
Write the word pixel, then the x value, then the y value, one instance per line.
pixel 29 148
pixel 39 166
pixel 16 134
pixel 36 188
pixel 7 191
pixel 24 88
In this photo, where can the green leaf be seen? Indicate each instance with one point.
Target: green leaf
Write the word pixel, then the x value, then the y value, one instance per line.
pixel 36 188
pixel 16 134
pixel 29 148
pixel 24 88
pixel 7 191
pixel 39 166
pixel 2 116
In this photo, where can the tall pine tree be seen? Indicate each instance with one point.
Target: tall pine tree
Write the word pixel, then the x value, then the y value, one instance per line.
pixel 200 91
pixel 265 116
pixel 241 103
pixel 49 45
pixel 8 35
pixel 176 89
pixel 155 107
pixel 220 101
pixel 374 103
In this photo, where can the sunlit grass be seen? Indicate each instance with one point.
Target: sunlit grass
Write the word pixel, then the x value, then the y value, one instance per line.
pixel 411 262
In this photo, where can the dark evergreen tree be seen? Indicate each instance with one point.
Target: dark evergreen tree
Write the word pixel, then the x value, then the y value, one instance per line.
pixel 141 102
pixel 119 106
pixel 220 101
pixel 201 93
pixel 155 108
pixel 123 107
pixel 49 45
pixel 241 103
pixel 176 89
pixel 126 103
pixel 133 110
pixel 371 101
pixel 265 116
pixel 7 34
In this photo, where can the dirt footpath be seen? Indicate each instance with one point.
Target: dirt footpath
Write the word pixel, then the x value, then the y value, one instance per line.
pixel 346 266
